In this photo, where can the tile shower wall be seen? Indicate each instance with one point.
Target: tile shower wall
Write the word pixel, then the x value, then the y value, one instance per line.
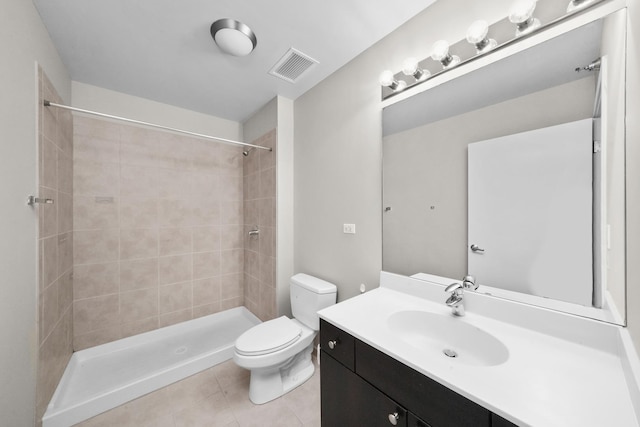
pixel 55 296
pixel 260 213
pixel 158 221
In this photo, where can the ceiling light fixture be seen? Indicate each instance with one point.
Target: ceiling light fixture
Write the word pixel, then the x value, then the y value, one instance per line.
pixel 477 36
pixel 441 53
pixel 521 14
pixel 387 80
pixel 233 37
pixel 410 68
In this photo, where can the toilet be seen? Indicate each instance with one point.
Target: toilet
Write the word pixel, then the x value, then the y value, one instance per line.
pixel 278 352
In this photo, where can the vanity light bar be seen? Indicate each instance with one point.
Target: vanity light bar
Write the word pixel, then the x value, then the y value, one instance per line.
pixel 527 16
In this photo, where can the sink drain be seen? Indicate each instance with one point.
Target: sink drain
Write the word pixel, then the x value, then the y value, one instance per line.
pixel 449 353
pixel 181 350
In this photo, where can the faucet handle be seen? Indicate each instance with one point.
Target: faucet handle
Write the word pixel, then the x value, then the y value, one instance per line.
pixel 454 287
pixel 469 282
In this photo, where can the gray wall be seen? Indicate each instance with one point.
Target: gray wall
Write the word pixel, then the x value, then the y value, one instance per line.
pixel 613 45
pixel 338 149
pixel 23 41
pixel 633 172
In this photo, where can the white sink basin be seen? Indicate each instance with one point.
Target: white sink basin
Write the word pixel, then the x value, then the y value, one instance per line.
pixel 448 336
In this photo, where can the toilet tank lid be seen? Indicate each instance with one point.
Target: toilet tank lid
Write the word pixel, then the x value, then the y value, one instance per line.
pixel 313 284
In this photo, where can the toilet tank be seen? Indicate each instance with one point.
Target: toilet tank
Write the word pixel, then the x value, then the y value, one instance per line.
pixel 309 295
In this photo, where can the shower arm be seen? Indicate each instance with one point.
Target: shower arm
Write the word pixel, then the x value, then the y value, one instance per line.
pixel 153 125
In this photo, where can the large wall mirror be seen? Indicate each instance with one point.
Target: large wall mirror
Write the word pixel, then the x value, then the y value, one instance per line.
pixel 515 173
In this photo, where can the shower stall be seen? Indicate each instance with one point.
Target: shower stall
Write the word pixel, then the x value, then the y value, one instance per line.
pixel 148 228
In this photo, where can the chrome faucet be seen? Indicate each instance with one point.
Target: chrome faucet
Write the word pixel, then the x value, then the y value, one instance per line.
pixel 455 301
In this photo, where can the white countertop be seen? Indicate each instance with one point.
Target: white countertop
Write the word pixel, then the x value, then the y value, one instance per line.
pixel 546 381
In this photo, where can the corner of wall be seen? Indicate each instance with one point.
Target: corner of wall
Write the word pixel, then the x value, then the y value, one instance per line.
pixel 633 171
pixel 285 211
pixel 24 42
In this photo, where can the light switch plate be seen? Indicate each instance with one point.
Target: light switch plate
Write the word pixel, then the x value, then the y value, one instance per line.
pixel 349 228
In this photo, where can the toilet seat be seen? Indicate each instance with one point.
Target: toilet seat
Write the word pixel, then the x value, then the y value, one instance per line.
pixel 268 337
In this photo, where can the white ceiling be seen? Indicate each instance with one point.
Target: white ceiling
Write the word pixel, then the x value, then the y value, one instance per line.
pixel 162 49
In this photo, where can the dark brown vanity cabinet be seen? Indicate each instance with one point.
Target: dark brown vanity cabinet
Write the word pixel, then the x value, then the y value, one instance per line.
pixel 361 386
pixel 348 400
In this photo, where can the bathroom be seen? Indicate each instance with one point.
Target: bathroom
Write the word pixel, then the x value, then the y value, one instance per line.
pixel 329 150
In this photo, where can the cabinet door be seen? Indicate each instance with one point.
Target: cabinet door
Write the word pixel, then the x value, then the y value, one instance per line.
pixel 434 403
pixel 349 401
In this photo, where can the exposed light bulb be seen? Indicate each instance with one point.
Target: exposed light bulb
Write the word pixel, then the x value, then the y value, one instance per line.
pixel 477 31
pixel 521 11
pixel 410 68
pixel 440 52
pixel 387 79
pixel 521 14
pixel 477 35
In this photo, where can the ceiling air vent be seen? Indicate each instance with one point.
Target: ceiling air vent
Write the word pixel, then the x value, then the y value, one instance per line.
pixel 292 65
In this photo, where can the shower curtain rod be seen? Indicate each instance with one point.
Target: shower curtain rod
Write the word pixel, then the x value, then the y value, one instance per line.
pixel 153 125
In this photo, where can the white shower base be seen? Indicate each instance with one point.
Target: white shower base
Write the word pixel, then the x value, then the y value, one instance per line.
pixel 101 378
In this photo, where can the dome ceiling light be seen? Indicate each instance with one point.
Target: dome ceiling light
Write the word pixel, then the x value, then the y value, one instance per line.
pixel 233 37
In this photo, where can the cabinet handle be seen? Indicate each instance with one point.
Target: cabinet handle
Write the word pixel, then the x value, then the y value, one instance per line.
pixel 333 344
pixel 393 418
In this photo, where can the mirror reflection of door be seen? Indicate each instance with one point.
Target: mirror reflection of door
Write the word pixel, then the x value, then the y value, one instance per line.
pixel 530 212
pixel 425 141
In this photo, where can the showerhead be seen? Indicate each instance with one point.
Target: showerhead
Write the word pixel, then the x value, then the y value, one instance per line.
pixel 246 152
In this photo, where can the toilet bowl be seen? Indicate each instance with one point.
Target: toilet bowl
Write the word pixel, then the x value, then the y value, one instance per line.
pixel 278 352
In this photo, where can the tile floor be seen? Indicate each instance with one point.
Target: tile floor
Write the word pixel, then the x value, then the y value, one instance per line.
pixel 216 397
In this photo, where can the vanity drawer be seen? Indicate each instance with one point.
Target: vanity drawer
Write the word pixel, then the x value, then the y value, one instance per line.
pixel 342 343
pixel 434 403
